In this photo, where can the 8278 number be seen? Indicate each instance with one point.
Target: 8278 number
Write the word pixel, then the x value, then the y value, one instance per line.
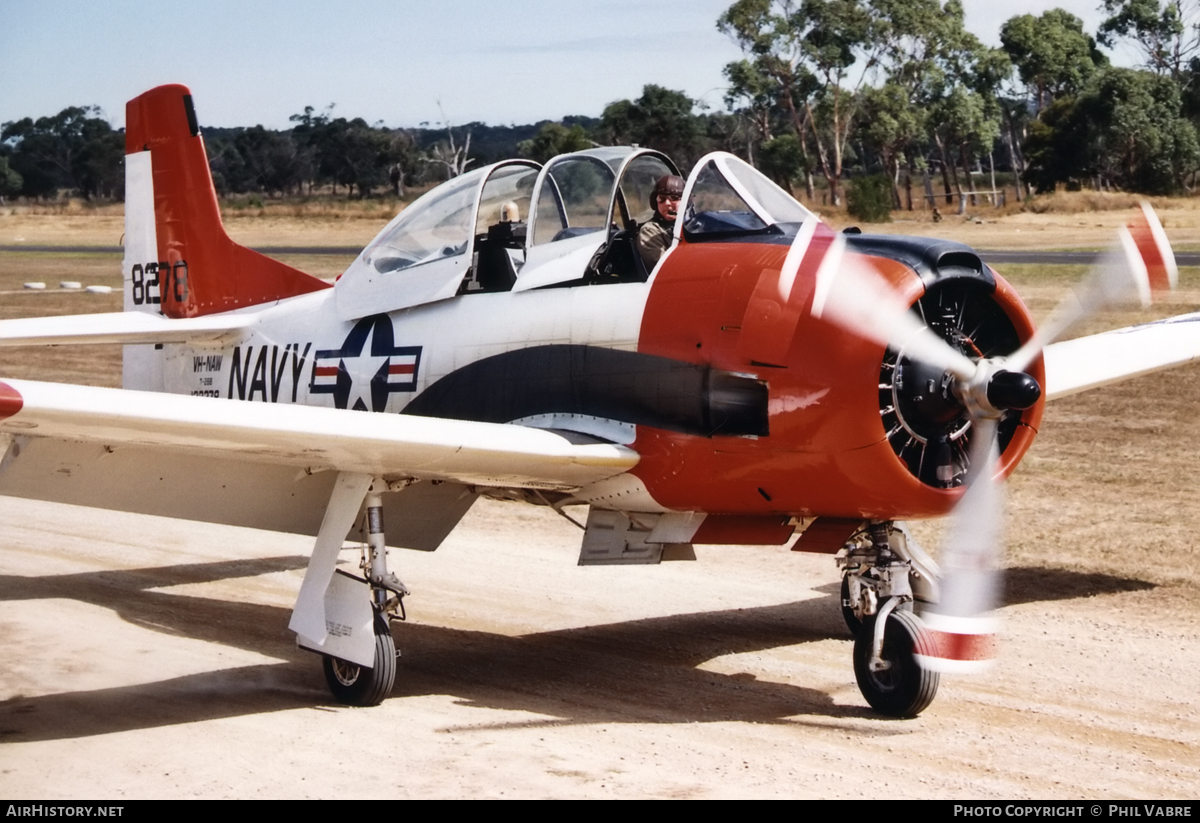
pixel 145 282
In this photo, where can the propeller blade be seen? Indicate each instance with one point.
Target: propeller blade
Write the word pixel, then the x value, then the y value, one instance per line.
pixel 1141 263
pixel 963 623
pixel 1152 243
pixel 854 295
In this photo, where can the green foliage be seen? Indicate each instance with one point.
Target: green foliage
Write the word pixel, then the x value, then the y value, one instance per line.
pixel 869 199
pixel 1168 40
pixel 781 159
pixel 1052 53
pixel 554 139
pixel 1125 128
pixel 349 152
pixel 891 122
pixel 10 181
pixel 660 119
pixel 1057 146
pixel 75 149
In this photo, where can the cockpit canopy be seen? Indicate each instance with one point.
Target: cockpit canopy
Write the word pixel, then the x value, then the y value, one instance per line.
pixel 516 225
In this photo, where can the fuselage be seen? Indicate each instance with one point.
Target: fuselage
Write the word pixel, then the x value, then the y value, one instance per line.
pixel 538 357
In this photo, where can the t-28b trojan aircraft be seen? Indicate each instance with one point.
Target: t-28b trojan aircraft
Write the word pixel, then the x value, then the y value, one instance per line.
pixel 503 337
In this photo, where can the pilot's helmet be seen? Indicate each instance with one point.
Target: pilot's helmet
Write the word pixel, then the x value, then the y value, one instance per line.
pixel 667 184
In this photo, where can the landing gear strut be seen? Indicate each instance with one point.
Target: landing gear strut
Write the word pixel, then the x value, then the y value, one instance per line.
pixel 332 617
pixel 884 573
pixel 351 683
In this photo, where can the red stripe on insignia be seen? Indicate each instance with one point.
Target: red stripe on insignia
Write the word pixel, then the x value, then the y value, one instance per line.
pixel 402 368
pixel 11 401
pixel 327 371
pixel 952 646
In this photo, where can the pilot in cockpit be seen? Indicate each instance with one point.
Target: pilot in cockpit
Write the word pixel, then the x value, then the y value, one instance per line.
pixel 654 236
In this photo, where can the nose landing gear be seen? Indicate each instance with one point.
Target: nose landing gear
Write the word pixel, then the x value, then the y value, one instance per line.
pixel 884 574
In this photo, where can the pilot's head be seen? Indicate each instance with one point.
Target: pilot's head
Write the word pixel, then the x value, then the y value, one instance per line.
pixel 665 197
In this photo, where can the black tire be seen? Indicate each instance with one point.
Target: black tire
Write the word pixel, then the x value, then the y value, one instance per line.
pixel 357 685
pixel 906 689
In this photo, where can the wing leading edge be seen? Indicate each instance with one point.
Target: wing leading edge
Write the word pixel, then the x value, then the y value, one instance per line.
pixel 310 438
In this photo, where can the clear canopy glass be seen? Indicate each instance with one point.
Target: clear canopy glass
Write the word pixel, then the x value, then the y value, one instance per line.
pixel 728 195
pixel 436 225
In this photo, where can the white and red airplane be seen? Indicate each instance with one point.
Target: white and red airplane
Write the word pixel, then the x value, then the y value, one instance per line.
pixel 767 375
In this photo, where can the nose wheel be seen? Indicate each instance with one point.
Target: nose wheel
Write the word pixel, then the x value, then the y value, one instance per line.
pixel 895 683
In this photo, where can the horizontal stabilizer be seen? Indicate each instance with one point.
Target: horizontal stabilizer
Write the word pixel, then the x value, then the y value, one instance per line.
pixel 120 327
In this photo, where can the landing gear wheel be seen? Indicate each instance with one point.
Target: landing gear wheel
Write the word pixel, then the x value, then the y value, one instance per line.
pixel 356 685
pixel 905 689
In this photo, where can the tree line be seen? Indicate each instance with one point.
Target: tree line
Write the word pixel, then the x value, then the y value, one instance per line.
pixel 900 87
pixel 826 90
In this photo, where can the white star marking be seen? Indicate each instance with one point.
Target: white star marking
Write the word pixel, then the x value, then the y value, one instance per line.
pixel 361 369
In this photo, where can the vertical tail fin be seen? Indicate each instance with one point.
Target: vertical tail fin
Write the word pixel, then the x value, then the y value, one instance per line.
pixel 178 258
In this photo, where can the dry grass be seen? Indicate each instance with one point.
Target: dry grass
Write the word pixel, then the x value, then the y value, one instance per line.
pixel 1078 202
pixel 86 365
pixel 374 209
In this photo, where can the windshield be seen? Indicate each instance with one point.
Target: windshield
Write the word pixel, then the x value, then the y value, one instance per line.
pixel 727 195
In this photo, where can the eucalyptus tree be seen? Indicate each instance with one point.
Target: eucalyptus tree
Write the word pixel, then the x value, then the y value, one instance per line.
pixel 1052 53
pixel 813 57
pixel 662 119
pixel 892 123
pixel 553 139
pixel 76 149
pixel 1125 130
pixel 1166 32
pixel 10 180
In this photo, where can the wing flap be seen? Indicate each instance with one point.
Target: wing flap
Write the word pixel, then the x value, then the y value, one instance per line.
pixel 208 488
pixel 1086 363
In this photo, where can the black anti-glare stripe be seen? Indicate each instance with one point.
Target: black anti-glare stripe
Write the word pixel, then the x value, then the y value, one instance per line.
pixel 933 260
pixel 642 389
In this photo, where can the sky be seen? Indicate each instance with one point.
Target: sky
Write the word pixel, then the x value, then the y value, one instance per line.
pixel 401 62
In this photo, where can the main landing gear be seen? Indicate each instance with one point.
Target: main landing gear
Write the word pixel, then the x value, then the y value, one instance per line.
pixel 351 683
pixel 884 573
pixel 345 618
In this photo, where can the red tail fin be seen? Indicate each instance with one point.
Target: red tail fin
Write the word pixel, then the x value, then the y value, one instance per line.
pixel 196 269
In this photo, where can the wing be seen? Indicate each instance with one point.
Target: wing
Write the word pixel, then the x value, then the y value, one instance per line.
pixel 1089 362
pixel 267 466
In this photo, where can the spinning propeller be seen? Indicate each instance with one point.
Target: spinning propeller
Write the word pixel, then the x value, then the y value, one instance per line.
pixel 957 379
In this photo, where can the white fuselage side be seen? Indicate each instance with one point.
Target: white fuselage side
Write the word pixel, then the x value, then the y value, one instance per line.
pixel 288 352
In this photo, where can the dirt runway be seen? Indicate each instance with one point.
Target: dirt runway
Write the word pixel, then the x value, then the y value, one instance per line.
pixel 150 658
